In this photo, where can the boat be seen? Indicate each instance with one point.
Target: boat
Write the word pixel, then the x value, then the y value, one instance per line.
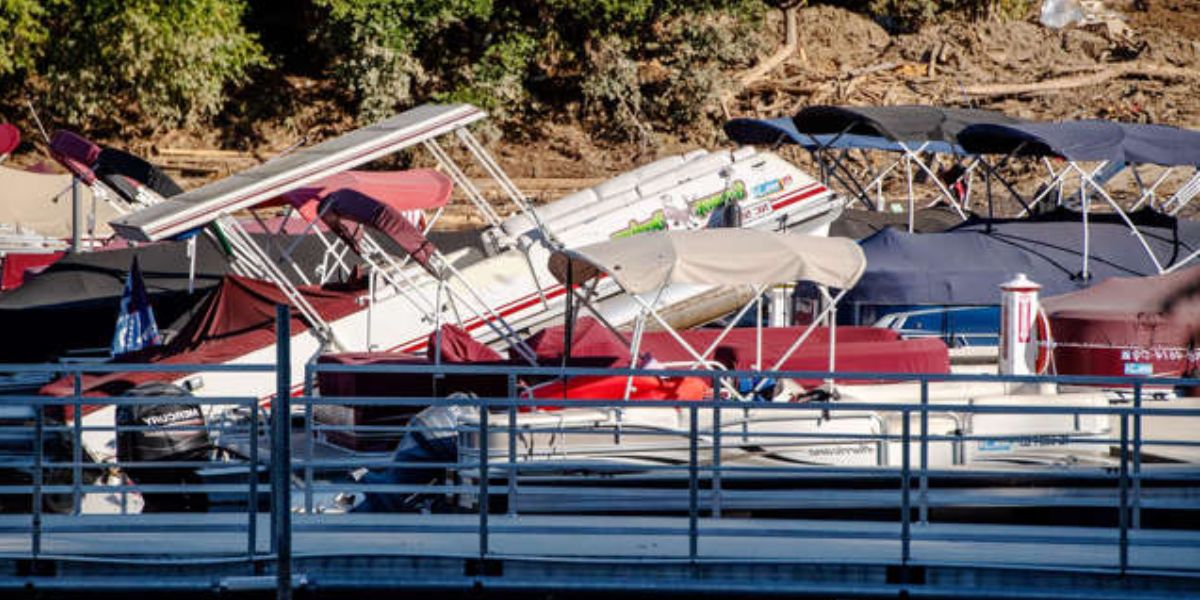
pixel 627 433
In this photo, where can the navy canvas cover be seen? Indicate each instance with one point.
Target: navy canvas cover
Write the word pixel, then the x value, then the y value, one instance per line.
pixel 967 264
pixel 1161 145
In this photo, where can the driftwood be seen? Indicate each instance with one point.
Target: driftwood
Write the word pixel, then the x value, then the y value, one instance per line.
pixel 1077 81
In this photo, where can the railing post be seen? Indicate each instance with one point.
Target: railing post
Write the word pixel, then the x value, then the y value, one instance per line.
pixel 252 500
pixel 716 453
pixel 484 450
pixel 1137 455
pixel 77 447
pixel 39 458
pixel 1123 509
pixel 512 445
pixel 693 483
pixel 308 439
pixel 905 491
pixel 281 455
pixel 923 497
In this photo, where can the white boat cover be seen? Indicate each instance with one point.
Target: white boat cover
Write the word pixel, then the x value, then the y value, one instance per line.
pixel 285 173
pixel 41 203
pixel 647 262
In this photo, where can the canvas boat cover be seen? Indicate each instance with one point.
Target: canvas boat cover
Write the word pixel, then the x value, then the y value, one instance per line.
pixel 416 189
pixel 967 264
pixel 41 203
pixel 238 318
pixel 121 171
pixel 858 224
pixel 896 123
pixel 1128 326
pixel 1088 141
pixel 293 171
pixel 77 297
pixel 649 261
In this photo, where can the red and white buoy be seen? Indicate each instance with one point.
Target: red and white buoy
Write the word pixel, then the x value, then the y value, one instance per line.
pixel 1023 331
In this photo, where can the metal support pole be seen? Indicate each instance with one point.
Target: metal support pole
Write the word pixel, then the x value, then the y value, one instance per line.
pixel 281 454
pixel 308 438
pixel 693 482
pixel 39 458
pixel 923 497
pixel 512 446
pixel 252 500
pixel 716 451
pixel 1137 455
pixel 1122 510
pixel 483 481
pixel 76 213
pixel 77 447
pixel 905 492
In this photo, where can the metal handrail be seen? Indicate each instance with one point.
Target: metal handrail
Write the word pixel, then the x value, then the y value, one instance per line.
pixel 709 429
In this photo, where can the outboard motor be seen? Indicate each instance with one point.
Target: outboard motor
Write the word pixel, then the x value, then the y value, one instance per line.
pixel 164 433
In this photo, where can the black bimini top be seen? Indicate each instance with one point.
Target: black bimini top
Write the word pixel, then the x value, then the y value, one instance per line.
pixel 897 123
pixel 1088 141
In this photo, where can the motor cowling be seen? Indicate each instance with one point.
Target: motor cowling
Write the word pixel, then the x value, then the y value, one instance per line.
pixel 162 433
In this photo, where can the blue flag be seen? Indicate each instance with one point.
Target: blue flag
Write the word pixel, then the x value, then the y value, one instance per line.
pixel 136 328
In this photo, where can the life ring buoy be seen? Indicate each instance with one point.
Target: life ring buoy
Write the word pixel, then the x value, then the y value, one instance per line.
pixel 1042 363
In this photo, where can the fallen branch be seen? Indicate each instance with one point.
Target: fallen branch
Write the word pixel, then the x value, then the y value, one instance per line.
pixel 1077 81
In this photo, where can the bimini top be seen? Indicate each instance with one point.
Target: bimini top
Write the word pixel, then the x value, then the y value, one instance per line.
pixel 1087 141
pixel 298 169
pixel 782 130
pixel 906 124
pixel 650 261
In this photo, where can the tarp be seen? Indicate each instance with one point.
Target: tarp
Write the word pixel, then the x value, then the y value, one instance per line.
pixel 896 123
pixel 78 296
pixel 646 262
pixel 1128 326
pixel 967 264
pixel 238 318
pixel 858 224
pixel 458 346
pixel 41 203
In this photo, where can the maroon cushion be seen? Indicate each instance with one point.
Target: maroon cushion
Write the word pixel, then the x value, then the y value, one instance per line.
pixel 10 138
pixel 76 153
pixel 459 347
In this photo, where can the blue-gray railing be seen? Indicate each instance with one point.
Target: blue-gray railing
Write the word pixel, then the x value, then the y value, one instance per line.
pixel 484 473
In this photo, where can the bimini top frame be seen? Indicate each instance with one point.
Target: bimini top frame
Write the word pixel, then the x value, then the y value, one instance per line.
pixel 649 263
pixel 1110 146
pixel 829 132
pixel 216 202
pixel 206 204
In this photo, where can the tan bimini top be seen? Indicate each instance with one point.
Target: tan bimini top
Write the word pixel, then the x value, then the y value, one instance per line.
pixel 649 261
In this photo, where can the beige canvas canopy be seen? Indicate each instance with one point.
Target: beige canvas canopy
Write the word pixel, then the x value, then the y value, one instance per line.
pixel 649 261
pixel 41 203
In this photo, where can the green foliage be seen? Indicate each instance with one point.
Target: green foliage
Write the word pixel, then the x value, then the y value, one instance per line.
pixel 24 35
pixel 168 63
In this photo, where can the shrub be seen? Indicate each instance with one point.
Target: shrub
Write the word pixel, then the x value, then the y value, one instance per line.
pixel 167 63
pixel 24 35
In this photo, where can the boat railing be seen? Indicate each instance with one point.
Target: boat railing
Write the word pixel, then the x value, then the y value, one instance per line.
pixel 693 478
